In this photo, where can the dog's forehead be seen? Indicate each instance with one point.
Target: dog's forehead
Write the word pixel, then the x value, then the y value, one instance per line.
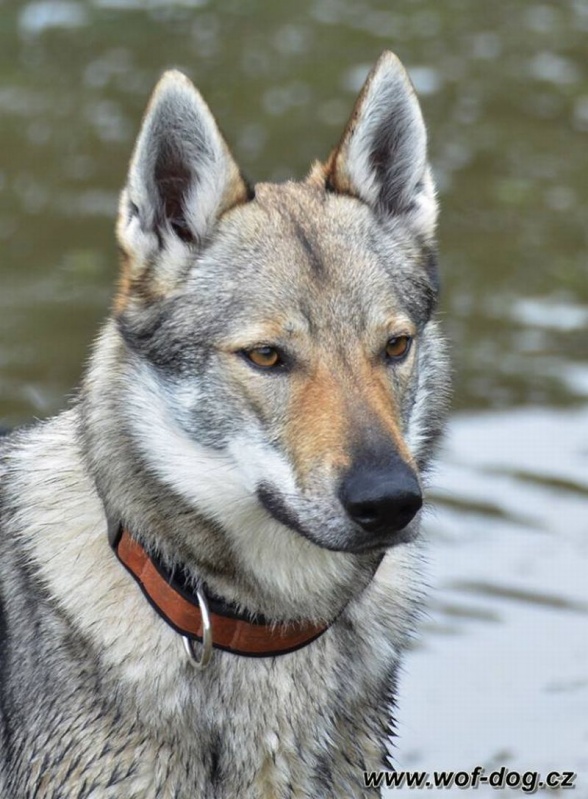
pixel 295 244
pixel 317 227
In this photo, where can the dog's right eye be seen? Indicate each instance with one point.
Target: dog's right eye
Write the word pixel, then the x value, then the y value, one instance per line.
pixel 264 357
pixel 397 347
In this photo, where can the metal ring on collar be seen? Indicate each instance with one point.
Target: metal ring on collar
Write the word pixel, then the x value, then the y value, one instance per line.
pixel 206 653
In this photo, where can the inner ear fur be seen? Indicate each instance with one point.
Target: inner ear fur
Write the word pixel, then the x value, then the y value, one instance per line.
pixel 382 156
pixel 182 178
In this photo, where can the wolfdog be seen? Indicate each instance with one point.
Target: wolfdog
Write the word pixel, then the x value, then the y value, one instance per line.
pixel 209 563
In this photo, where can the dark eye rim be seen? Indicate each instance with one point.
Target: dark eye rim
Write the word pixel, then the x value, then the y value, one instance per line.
pixel 403 355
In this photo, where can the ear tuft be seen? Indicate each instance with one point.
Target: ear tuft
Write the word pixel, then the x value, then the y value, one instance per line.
pixel 382 156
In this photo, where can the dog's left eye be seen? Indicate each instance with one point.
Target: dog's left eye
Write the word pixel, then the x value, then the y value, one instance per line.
pixel 398 347
pixel 264 357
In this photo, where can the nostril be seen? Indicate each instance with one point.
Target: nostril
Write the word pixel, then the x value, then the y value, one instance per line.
pixel 365 513
pixel 409 507
pixel 412 503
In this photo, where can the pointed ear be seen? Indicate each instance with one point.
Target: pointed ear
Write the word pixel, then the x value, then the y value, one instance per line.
pixel 382 156
pixel 182 176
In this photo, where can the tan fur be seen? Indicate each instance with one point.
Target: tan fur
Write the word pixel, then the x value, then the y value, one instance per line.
pixel 317 431
pixel 327 406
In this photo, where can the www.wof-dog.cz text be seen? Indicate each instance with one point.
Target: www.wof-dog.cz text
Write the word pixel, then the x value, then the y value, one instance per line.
pixel 528 781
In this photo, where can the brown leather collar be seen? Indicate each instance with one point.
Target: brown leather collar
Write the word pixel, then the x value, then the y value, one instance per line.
pixel 171 596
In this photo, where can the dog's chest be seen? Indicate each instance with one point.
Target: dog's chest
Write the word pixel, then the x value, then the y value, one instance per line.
pixel 290 730
pixel 259 748
pixel 263 733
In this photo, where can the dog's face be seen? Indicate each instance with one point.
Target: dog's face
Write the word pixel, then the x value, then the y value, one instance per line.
pixel 280 350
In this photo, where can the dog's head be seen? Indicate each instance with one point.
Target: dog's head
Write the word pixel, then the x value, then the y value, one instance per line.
pixel 282 370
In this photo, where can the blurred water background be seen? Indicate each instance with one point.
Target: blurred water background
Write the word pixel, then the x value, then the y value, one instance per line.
pixel 500 673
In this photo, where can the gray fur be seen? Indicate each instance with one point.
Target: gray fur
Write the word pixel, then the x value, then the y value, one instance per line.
pixel 178 435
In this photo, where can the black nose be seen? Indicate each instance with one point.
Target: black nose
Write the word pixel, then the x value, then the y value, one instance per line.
pixel 381 500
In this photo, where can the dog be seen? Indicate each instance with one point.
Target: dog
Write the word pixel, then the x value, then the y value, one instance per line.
pixel 209 563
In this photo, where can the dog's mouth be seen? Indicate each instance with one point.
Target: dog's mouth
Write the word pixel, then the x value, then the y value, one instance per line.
pixel 337 531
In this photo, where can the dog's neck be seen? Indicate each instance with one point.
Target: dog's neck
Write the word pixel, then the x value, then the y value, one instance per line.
pixel 196 615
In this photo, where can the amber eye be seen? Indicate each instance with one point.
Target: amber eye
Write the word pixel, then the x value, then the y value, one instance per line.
pixel 265 357
pixel 397 347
